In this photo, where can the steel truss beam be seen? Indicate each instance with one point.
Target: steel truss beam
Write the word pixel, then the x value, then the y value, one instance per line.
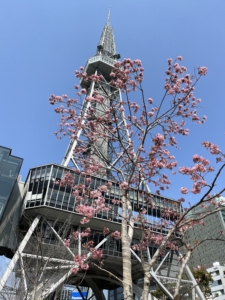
pixel 19 251
pixel 61 265
pixel 18 256
pixel 69 152
pixel 23 274
pixel 56 285
pixel 59 238
pixel 112 164
pixel 191 276
pixel 156 277
pixel 56 260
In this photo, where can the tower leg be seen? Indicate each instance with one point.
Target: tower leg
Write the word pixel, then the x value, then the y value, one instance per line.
pixel 45 289
pixel 69 152
pixel 197 288
pixel 97 292
pixel 18 253
pixel 23 274
pixel 191 277
pixel 153 274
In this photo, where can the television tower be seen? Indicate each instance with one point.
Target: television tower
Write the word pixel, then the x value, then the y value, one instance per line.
pixel 103 149
pixel 41 262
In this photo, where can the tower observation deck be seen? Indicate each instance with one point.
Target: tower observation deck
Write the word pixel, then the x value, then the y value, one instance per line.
pixel 41 263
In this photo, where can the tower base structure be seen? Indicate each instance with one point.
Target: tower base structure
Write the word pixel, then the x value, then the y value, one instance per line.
pixel 42 264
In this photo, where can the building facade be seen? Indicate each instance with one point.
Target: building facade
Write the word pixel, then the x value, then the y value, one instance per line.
pixel 54 208
pixel 9 170
pixel 11 201
pixel 218 286
pixel 209 251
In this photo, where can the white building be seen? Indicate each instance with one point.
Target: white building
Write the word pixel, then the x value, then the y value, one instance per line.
pixel 218 286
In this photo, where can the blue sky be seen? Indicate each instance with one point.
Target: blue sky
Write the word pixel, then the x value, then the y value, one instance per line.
pixel 43 42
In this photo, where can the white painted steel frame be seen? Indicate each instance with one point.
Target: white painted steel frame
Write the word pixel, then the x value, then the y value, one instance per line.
pixel 23 274
pixel 59 238
pixel 162 286
pixel 69 152
pixel 56 260
pixel 19 251
pixel 73 143
pixel 154 276
pixel 54 287
pixel 191 276
pixel 49 180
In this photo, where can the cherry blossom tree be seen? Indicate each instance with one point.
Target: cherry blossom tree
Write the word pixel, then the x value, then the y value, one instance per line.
pixel 145 158
pixel 204 279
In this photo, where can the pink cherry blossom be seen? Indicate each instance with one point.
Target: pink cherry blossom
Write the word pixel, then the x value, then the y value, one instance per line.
pixel 124 185
pixel 183 190
pixel 103 188
pixel 116 235
pixel 75 270
pixel 84 220
pixel 67 243
pixel 144 155
pixel 106 230
pixel 83 91
pixel 88 245
pixel 75 235
pixel 97 254
pixel 84 266
pixel 202 70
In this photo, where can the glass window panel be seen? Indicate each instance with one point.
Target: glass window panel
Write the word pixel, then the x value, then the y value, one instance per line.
pixel 48 172
pixel 2 206
pixel 10 168
pixel 30 187
pixel 38 173
pixel 43 170
pixel 4 153
pixel 76 178
pixel 33 174
pixel 97 182
pixel 71 203
pixel 54 172
pixel 49 193
pixel 40 187
pixel 131 195
pixel 60 173
pixel 54 195
pixel 81 181
pixel 68 197
pixel 6 188
pixel 60 198
pixel 117 191
pixel 35 186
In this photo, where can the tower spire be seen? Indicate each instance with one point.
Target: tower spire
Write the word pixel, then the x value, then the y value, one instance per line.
pixel 106 44
pixel 108 21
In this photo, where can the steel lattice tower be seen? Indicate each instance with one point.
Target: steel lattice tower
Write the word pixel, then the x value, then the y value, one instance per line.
pixel 49 213
pixel 103 150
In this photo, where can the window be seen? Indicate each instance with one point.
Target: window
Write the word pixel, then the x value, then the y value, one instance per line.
pixel 218 293
pixel 216 282
pixel 215 273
